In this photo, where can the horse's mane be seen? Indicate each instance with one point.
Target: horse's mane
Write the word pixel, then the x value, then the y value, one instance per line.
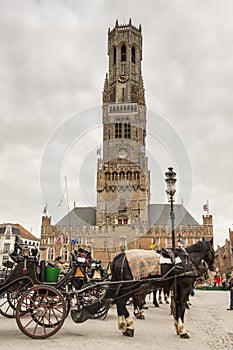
pixel 196 247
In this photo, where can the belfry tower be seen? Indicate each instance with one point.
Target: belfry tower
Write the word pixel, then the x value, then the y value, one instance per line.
pixel 123 184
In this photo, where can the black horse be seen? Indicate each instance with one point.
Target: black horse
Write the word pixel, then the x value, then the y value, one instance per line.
pixel 178 275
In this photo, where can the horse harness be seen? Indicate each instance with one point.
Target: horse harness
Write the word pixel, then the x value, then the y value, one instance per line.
pixel 185 260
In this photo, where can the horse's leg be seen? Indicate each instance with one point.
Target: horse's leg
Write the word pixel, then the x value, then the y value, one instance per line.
pixel 155 302
pixel 125 321
pixel 180 305
pixel 138 302
pixel 166 295
pixel 160 296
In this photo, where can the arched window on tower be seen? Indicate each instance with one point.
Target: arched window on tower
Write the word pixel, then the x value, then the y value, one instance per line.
pixel 122 175
pixel 123 95
pixel 107 176
pixel 114 175
pixel 123 53
pixel 114 55
pixel 133 54
pixel 129 175
pixel 127 130
pixel 118 130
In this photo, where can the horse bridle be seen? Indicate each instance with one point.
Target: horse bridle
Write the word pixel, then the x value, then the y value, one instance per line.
pixel 207 260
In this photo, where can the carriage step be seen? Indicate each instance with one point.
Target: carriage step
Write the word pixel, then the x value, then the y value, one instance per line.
pixel 80 316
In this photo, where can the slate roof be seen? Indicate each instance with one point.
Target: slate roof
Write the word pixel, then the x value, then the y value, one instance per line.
pixel 78 217
pixel 159 215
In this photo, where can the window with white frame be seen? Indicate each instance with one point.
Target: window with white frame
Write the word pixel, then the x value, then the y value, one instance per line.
pixel 6 248
pixel 51 254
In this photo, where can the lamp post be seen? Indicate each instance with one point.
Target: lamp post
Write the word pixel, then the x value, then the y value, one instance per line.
pixel 171 182
pixel 123 242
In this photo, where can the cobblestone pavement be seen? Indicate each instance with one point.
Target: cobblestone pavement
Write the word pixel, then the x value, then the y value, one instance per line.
pixel 209 324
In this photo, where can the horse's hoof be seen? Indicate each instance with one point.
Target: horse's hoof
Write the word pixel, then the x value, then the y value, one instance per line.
pixel 129 333
pixel 184 336
pixel 156 305
pixel 167 302
pixel 139 316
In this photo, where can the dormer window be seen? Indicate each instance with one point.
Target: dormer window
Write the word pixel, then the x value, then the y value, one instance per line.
pixel 8 230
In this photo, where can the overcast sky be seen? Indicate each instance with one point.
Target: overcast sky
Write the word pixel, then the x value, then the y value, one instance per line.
pixel 53 61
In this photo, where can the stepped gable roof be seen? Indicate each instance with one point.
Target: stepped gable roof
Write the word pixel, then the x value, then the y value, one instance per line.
pixel 78 217
pixel 159 215
pixel 26 234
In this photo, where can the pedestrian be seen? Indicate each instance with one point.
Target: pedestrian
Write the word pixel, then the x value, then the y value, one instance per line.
pixel 58 263
pixel 224 281
pixel 231 291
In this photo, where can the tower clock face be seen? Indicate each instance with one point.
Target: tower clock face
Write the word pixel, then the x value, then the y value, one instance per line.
pixel 123 153
pixel 123 78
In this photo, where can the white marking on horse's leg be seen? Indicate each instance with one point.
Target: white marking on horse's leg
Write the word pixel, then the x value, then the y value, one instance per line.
pixel 122 325
pixel 181 329
pixel 139 313
pixel 176 325
pixel 129 322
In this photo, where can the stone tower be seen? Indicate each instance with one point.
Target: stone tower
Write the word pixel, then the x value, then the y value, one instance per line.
pixel 123 189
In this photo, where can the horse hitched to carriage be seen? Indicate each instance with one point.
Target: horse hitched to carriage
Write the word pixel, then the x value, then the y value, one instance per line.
pixel 42 309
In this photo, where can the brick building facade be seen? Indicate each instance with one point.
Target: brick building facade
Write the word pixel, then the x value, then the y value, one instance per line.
pixel 224 256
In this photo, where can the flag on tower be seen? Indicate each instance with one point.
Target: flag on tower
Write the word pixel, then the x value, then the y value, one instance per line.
pixel 206 206
pixel 45 210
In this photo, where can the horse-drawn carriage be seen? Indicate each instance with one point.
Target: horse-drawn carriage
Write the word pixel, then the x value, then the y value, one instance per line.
pixel 42 309
pixel 27 271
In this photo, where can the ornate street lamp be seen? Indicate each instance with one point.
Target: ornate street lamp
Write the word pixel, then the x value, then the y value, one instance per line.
pixel 171 182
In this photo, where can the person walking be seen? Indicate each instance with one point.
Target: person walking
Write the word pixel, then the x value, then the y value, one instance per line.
pixel 231 291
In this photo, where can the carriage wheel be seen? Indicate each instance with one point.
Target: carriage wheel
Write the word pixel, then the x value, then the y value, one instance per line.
pixel 101 313
pixel 93 295
pixel 41 312
pixel 10 297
